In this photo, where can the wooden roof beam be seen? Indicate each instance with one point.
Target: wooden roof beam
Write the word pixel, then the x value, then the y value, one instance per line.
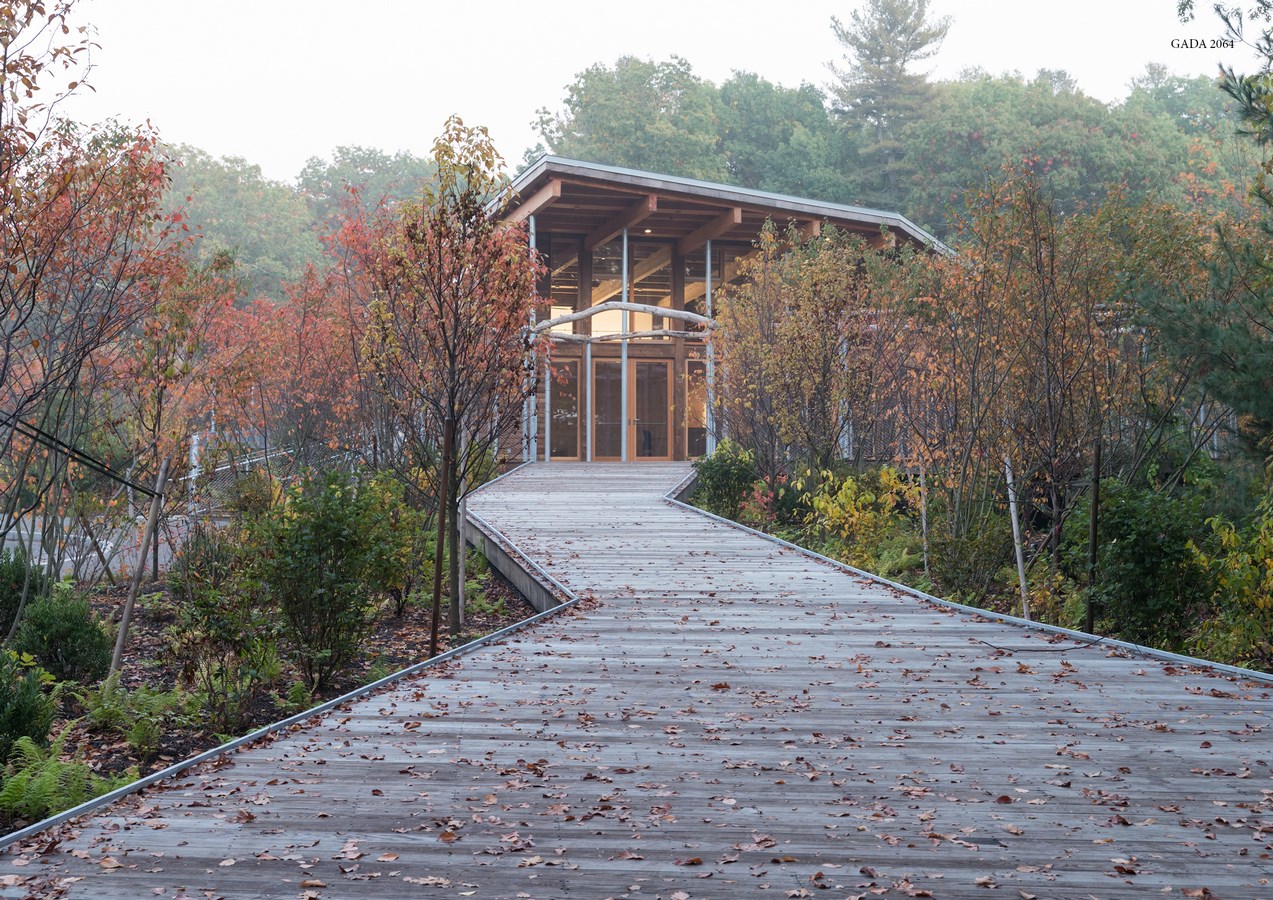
pixel 635 214
pixel 712 230
pixel 543 198
pixel 884 240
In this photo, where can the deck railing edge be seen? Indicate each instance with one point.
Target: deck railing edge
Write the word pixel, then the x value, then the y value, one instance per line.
pixel 683 488
pixel 358 693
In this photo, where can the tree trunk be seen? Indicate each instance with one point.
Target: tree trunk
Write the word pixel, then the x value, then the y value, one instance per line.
pixel 444 482
pixel 152 522
pixel 457 549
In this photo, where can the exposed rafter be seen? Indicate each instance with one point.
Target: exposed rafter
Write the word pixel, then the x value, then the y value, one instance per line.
pixel 712 230
pixel 885 240
pixel 635 214
pixel 540 200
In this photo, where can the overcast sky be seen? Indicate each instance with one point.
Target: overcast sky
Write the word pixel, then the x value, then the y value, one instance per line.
pixel 279 81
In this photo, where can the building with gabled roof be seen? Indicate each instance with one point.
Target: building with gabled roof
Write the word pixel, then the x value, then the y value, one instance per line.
pixel 634 259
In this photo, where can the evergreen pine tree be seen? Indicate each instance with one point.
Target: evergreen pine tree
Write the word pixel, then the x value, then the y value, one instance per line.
pixel 877 93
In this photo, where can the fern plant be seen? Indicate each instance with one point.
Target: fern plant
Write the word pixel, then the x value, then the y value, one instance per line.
pixel 41 783
pixel 139 715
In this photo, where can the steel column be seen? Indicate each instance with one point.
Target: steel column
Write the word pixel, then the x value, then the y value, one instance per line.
pixel 623 358
pixel 548 413
pixel 587 387
pixel 711 361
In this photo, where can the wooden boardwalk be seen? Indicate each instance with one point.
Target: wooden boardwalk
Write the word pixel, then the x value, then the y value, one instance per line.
pixel 718 717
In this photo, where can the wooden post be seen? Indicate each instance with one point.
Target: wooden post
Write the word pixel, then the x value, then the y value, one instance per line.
pixel 156 503
pixel 1016 539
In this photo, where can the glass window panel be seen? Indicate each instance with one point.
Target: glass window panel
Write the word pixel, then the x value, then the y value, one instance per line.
pixel 608 322
pixel 607 274
pixel 563 281
pixel 696 281
pixel 564 327
pixel 607 400
pixel 651 410
pixel 564 389
pixel 695 408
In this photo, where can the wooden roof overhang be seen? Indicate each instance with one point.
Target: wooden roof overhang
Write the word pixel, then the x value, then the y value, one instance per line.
pixel 596 202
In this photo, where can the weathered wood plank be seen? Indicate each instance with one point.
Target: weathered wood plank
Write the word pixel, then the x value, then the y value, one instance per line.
pixel 721 699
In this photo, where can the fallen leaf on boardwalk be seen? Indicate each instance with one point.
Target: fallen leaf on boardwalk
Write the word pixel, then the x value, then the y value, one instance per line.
pixel 798 892
pixel 447 837
pixel 628 854
pixel 984 881
pixel 1026 896
pixel 109 862
pixel 386 857
pixel 429 880
pixel 680 895
pixel 530 861
pixel 244 816
pixel 1196 892
pixel 313 883
pixel 721 686
pixel 692 861
pixel 1014 829
pixel 226 862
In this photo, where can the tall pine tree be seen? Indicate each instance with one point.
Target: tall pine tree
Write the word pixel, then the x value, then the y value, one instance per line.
pixel 877 92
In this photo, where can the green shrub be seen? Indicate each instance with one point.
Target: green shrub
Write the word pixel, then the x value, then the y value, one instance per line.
pixel 859 511
pixel 254 493
pixel 1149 582
pixel 40 783
pixel 965 565
pixel 318 554
pixel 225 636
pixel 724 479
pixel 17 576
pixel 26 708
pixel 397 543
pixel 1241 571
pixel 64 636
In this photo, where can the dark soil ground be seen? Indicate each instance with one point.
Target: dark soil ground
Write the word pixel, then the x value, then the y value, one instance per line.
pixel 394 644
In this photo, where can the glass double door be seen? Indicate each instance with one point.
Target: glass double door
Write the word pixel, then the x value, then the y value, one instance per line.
pixel 649 410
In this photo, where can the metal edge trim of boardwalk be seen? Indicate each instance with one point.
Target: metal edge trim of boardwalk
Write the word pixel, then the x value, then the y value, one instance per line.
pixel 686 486
pixel 534 571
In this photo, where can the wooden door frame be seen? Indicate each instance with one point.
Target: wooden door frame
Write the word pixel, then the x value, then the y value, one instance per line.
pixel 629 431
pixel 580 412
pixel 632 395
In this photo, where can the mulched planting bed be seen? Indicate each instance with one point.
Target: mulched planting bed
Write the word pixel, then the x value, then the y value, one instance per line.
pixel 394 644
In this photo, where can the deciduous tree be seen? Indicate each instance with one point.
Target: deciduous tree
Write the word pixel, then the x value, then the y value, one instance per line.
pixel 448 331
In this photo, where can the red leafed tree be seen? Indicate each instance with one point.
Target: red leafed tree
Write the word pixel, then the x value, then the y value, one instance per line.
pixel 283 375
pixel 83 248
pixel 447 337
